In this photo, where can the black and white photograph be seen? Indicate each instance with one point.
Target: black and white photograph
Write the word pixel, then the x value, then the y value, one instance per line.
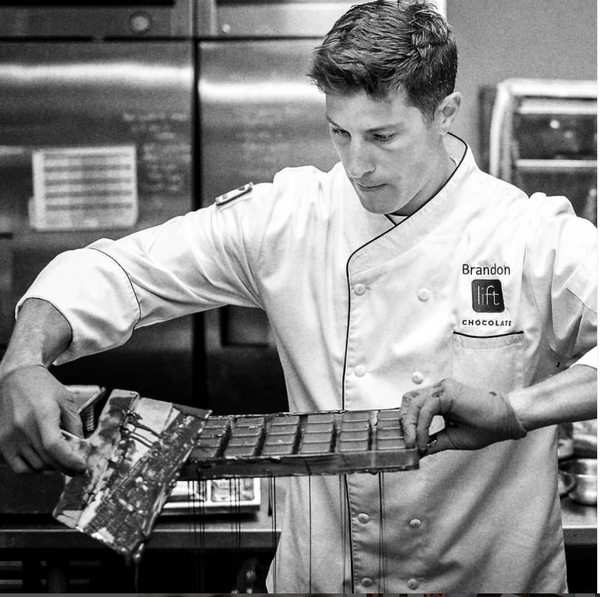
pixel 298 297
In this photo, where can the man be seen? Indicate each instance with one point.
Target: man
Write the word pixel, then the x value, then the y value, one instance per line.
pixel 401 267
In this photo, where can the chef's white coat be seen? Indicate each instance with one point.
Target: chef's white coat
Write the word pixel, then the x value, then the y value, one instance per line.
pixel 482 284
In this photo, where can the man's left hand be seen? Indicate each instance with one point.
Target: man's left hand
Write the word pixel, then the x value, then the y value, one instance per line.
pixel 474 418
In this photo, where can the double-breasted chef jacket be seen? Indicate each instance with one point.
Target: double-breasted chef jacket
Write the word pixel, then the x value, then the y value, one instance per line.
pixel 482 284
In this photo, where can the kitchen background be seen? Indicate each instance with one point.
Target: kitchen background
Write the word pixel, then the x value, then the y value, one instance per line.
pixel 148 109
pixel 194 98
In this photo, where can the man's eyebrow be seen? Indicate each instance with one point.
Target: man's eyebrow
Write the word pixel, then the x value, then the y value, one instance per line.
pixel 377 129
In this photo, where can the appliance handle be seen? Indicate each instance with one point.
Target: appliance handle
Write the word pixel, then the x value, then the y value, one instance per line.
pixel 207 19
pixel 6 286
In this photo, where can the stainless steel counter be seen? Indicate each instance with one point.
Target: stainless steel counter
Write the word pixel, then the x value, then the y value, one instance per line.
pixel 580 523
pixel 252 531
pixel 221 532
pixel 53 542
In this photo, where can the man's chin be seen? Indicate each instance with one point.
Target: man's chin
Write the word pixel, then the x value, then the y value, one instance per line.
pixel 372 205
pixel 374 209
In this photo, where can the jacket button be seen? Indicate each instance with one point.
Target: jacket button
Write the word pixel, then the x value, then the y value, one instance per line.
pixel 417 377
pixel 424 294
pixel 360 289
pixel 413 583
pixel 360 370
pixel 364 518
pixel 366 582
pixel 415 523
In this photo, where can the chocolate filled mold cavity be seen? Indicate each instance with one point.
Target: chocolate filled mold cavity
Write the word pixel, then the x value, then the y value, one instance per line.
pixel 315 443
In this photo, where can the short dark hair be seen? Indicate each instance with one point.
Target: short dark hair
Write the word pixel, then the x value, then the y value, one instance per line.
pixel 384 46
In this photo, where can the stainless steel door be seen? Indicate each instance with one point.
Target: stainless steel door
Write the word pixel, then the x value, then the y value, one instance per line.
pixel 97 19
pixel 98 95
pixel 258 113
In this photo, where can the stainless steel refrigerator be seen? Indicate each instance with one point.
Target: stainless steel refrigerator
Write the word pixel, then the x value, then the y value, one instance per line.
pixel 195 98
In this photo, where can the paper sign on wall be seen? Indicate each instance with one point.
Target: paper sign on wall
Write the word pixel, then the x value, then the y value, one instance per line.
pixel 81 188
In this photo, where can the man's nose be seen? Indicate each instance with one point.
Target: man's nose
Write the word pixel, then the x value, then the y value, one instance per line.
pixel 359 162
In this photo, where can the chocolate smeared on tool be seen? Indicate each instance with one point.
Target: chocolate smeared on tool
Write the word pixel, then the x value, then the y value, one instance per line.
pixel 134 459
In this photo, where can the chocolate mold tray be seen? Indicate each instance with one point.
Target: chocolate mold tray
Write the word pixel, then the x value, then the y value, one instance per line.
pixel 296 444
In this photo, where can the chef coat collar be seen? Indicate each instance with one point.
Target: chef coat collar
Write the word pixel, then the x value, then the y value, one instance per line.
pixel 397 239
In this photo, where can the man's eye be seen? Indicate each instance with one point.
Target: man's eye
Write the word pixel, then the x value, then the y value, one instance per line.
pixel 384 138
pixel 340 132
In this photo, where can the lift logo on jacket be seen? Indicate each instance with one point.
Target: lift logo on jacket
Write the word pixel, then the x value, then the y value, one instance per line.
pixel 487 296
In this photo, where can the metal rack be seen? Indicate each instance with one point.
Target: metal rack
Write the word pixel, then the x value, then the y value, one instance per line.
pixel 542 137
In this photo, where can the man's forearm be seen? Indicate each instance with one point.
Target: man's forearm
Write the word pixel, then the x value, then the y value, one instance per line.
pixel 41 334
pixel 566 397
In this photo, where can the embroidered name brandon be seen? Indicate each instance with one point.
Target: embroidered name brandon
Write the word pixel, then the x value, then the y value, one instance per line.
pixel 485 270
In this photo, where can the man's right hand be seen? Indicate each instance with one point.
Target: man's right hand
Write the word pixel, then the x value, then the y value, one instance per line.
pixel 34 406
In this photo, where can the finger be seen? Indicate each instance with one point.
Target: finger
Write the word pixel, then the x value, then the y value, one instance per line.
pixel 36 451
pixel 19 466
pixel 455 437
pixel 438 442
pixel 77 445
pixel 409 416
pixel 39 437
pixel 70 418
pixel 30 456
pixel 25 453
pixel 50 444
pixel 431 447
pixel 59 451
pixel 430 409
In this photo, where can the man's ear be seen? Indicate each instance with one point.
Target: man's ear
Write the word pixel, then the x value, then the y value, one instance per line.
pixel 448 110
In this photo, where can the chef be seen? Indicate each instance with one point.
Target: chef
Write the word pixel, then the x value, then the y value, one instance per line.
pixel 405 275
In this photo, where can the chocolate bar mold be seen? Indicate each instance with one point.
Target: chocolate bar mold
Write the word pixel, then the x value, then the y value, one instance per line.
pixel 300 444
